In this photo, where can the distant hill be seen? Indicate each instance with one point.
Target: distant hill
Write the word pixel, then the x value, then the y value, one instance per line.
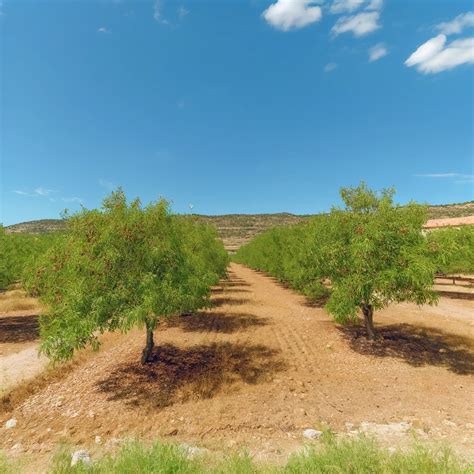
pixel 237 229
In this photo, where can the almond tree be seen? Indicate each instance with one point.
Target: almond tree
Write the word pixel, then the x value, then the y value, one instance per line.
pixel 122 266
pixel 375 254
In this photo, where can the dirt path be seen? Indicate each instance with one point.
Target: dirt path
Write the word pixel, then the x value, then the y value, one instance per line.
pixel 20 366
pixel 257 369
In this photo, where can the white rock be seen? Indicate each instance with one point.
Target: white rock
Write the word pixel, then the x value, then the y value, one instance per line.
pixel 80 456
pixel 98 440
pixel 449 423
pixel 192 452
pixel 11 423
pixel 385 429
pixel 312 434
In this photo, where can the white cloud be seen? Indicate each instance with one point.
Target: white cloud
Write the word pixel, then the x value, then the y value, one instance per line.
pixel 360 24
pixel 330 67
pixel 288 14
pixel 457 178
pixel 375 5
pixel 24 193
pixel 442 175
pixel 456 26
pixel 103 29
pixel 157 13
pixel 435 56
pixel 73 199
pixel 108 185
pixel 182 12
pixel 342 6
pixel 377 52
pixel 44 192
pixel 38 192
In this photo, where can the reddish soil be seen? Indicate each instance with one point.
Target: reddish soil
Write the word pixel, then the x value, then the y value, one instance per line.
pixel 257 369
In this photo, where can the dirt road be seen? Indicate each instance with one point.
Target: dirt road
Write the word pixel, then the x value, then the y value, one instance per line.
pixel 256 370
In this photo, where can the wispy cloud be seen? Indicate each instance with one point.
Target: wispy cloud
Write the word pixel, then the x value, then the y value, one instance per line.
pixel 108 185
pixel 43 191
pixel 375 5
pixel 182 12
pixel 458 178
pixel 456 26
pixel 286 15
pixel 158 13
pixel 359 25
pixel 38 192
pixel 377 52
pixel 436 56
pixel 73 199
pixel 103 30
pixel 344 6
pixel 330 67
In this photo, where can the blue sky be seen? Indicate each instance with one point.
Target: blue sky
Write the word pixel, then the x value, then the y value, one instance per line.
pixel 234 106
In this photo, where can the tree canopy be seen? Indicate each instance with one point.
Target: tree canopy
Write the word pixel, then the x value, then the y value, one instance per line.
pixel 372 252
pixel 121 266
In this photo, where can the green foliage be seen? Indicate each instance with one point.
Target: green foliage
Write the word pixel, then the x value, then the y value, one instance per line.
pixel 18 252
pixel 332 455
pixel 122 266
pixel 363 455
pixel 453 249
pixel 372 251
pixel 376 253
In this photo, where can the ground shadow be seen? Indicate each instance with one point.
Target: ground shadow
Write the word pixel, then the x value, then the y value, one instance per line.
pixel 175 374
pixel 235 282
pixel 17 329
pixel 317 302
pixel 220 322
pixel 221 301
pixel 415 345
pixel 457 295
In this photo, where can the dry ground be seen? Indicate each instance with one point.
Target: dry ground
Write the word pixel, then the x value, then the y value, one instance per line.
pixel 257 369
pixel 19 336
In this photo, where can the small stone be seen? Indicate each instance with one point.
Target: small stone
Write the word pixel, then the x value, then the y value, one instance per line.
pixel 16 447
pixel 449 423
pixel 310 433
pixel 11 423
pixel 192 452
pixel 98 440
pixel 349 426
pixel 81 456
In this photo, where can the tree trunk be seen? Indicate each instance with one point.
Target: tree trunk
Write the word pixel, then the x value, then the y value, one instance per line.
pixel 150 343
pixel 368 312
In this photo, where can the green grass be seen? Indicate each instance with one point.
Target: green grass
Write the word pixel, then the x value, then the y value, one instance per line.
pixel 331 456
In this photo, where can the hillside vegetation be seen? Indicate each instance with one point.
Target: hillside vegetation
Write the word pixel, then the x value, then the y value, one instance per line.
pixel 238 229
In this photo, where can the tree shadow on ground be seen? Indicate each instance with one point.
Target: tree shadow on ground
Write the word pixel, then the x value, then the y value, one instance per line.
pixel 233 282
pixel 176 374
pixel 456 295
pixel 17 329
pixel 221 301
pixel 316 302
pixel 220 322
pixel 415 345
